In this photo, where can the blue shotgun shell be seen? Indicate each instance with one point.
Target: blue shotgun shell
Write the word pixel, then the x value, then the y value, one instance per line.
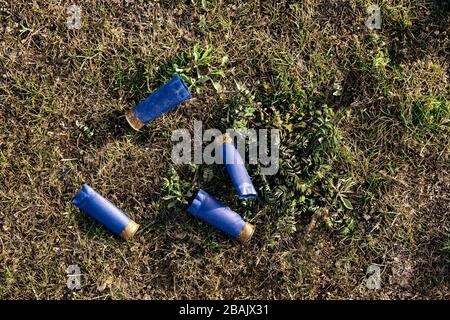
pixel 164 99
pixel 236 168
pixel 212 211
pixel 91 202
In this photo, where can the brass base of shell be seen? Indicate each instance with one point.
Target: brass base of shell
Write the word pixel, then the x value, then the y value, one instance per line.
pixel 133 120
pixel 129 230
pixel 246 233
pixel 224 138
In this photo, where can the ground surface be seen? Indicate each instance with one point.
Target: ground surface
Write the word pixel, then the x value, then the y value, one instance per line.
pixel 364 172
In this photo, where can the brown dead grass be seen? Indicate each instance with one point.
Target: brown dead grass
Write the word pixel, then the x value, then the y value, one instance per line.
pixel 52 76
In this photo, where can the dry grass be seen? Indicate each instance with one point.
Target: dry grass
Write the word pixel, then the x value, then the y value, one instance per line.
pixel 390 120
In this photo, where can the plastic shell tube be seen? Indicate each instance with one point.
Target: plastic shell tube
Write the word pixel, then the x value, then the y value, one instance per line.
pixel 212 211
pixel 164 99
pixel 236 168
pixel 91 202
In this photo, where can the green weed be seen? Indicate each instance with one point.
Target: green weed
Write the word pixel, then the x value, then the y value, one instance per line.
pixel 198 67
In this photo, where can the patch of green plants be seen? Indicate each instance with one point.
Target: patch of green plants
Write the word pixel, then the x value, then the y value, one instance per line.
pixel 426 112
pixel 429 113
pixel 304 184
pixel 398 16
pixel 199 67
pixel 175 189
pixel 373 56
pixel 244 112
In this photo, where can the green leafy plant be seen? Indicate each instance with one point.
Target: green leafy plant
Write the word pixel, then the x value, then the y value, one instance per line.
pixel 309 145
pixel 373 58
pixel 306 159
pixel 175 189
pixel 198 67
pixel 243 110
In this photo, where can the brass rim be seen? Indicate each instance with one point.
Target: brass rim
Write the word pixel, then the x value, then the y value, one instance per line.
pixel 129 230
pixel 224 138
pixel 133 120
pixel 246 233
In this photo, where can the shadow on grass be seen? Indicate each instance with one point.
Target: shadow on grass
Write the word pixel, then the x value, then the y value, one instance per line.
pixel 131 85
pixel 422 37
pixel 137 82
